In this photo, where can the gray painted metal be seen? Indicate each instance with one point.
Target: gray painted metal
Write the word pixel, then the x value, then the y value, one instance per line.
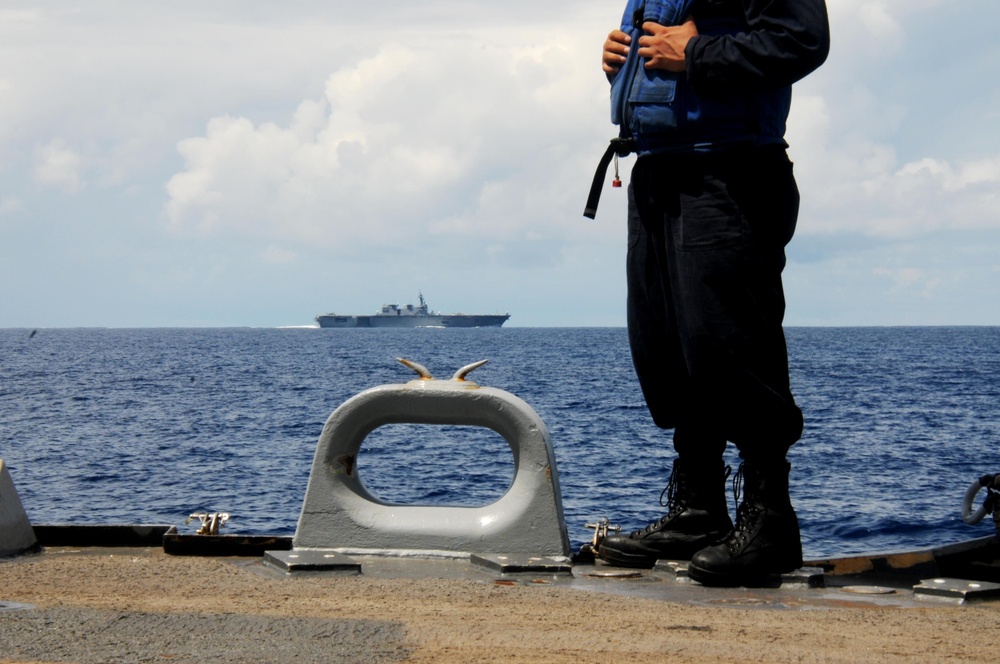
pixel 958 590
pixel 312 561
pixel 340 514
pixel 392 315
pixel 522 564
pixel 16 534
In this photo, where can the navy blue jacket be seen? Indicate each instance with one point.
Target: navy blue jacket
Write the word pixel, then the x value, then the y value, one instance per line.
pixel 740 68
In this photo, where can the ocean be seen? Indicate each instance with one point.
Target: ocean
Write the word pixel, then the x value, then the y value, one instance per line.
pixel 152 425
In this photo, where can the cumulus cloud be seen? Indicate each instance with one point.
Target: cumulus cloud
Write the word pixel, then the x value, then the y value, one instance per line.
pixel 58 165
pixel 866 26
pixel 853 183
pixel 404 147
pixel 866 129
pixel 286 135
pixel 880 24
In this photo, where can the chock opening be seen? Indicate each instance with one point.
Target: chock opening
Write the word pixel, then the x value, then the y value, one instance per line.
pixel 416 464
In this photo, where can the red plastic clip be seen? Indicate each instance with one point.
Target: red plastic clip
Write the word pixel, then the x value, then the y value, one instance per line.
pixel 616 183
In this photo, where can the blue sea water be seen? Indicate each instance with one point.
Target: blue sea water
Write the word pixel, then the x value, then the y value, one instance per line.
pixel 150 425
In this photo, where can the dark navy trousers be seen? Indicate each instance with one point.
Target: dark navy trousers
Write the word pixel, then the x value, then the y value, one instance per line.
pixel 706 248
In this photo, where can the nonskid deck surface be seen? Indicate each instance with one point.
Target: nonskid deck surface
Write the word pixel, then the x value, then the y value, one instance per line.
pixel 808 588
pixel 962 573
pixel 100 604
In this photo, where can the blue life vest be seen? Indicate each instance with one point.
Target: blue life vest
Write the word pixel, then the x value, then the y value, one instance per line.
pixel 660 110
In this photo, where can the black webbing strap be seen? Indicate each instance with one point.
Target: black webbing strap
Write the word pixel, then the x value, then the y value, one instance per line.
pixel 620 146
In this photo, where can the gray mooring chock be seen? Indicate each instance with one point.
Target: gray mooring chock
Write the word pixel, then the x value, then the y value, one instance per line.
pixel 340 516
pixel 16 533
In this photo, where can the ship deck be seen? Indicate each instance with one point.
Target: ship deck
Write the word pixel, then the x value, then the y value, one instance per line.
pixel 93 603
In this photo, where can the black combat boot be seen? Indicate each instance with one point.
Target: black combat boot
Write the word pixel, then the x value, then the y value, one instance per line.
pixel 765 541
pixel 697 516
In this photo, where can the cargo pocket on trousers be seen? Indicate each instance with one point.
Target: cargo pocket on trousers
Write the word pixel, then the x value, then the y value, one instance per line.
pixel 709 220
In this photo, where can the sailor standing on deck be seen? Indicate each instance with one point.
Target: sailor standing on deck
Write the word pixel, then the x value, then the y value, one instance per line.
pixel 702 89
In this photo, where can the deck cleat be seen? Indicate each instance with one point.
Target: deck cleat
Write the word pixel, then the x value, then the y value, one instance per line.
pixel 601 528
pixel 210 522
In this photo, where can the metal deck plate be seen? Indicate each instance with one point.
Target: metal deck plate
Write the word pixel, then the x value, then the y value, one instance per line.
pixel 957 589
pixel 312 561
pixel 804 577
pixel 513 563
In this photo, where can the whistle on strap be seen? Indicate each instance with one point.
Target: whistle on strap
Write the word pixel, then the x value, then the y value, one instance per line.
pixel 618 147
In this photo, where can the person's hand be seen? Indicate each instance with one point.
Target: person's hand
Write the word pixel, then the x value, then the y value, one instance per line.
pixel 615 49
pixel 663 47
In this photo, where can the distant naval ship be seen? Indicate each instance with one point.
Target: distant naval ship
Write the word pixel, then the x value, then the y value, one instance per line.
pixel 393 315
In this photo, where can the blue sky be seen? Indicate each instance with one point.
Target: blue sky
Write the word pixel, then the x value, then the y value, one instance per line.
pixel 258 163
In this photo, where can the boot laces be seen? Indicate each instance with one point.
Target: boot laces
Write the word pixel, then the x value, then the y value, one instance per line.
pixel 677 494
pixel 747 512
pixel 675 505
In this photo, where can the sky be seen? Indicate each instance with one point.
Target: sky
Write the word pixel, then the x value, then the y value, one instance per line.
pixel 249 163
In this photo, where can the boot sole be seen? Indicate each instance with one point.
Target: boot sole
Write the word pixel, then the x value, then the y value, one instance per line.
pixel 621 559
pixel 681 552
pixel 765 578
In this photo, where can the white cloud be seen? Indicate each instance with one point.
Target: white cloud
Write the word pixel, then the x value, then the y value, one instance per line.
pixel 880 24
pixel 860 186
pixel 310 136
pixel 865 26
pixel 58 165
pixel 867 132
pixel 405 145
